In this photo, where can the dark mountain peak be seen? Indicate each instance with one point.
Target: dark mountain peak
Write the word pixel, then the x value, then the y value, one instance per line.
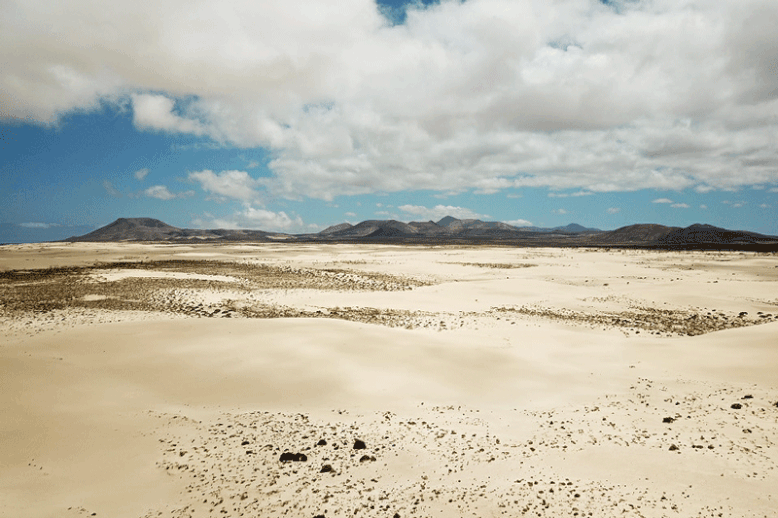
pixel 139 222
pixel 575 228
pixel 640 233
pixel 701 233
pixel 447 221
pixel 336 228
pixel 132 229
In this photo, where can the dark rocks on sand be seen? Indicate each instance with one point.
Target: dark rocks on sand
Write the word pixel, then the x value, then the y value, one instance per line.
pixel 668 420
pixel 673 447
pixel 736 406
pixel 321 442
pixel 366 458
pixel 293 457
pixel 359 445
pixel 326 469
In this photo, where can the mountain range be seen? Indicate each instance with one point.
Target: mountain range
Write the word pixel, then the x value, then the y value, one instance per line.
pixel 452 230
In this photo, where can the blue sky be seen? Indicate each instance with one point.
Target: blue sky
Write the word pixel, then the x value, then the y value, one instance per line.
pixel 296 116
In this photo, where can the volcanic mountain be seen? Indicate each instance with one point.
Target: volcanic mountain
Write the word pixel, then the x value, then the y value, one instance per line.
pixel 453 230
pixel 149 229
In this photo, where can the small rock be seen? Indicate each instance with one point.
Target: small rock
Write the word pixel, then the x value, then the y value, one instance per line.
pixel 359 445
pixel 321 442
pixel 748 396
pixel 326 469
pixel 668 420
pixel 293 457
pixel 736 406
pixel 673 447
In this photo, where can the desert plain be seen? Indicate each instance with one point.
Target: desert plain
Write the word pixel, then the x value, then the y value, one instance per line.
pixel 305 380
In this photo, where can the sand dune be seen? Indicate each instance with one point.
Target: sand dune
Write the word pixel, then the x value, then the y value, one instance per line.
pixel 301 380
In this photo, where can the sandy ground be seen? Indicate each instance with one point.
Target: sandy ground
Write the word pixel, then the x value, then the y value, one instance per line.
pixel 302 380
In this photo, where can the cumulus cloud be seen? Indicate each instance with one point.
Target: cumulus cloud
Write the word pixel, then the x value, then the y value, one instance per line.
pixel 662 200
pixel 110 189
pixel 141 174
pixel 680 206
pixel 39 225
pixel 483 95
pixel 613 210
pixel 155 112
pixel 250 217
pixel 161 192
pixel 519 223
pixel 567 195
pixel 559 211
pixel 236 185
pixel 440 211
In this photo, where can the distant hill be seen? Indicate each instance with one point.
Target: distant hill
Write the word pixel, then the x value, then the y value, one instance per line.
pixel 699 233
pixel 450 229
pixel 149 229
pixel 641 233
pixel 336 228
pixel 132 229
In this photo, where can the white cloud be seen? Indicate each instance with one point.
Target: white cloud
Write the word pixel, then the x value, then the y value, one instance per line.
pixel 567 195
pixel 662 200
pixel 519 223
pixel 250 217
pixel 440 211
pixel 350 215
pixel 773 189
pixel 237 185
pixel 159 192
pixel 613 210
pixel 764 206
pixel 39 225
pixel 155 112
pixel 559 211
pixel 482 95
pixel 140 174
pixel 110 189
pixel 680 206
pixel 703 207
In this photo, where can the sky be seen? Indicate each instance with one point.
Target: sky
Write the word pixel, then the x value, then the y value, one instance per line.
pixel 292 116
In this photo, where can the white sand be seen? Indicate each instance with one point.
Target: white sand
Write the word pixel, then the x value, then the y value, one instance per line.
pixel 477 409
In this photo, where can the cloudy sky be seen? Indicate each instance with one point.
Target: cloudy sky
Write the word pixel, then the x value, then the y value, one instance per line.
pixel 295 115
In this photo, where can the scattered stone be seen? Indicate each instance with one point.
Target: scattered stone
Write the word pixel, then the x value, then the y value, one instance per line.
pixel 326 469
pixel 748 396
pixel 359 445
pixel 668 420
pixel 736 406
pixel 673 447
pixel 293 457
pixel 321 442
pixel 366 458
